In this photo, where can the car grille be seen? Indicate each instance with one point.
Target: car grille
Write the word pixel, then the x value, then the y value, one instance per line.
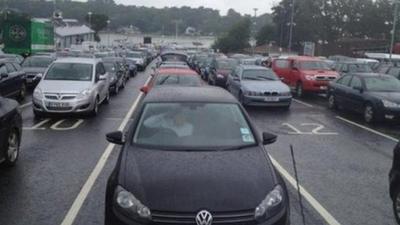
pixel 31 75
pixel 237 217
pixel 59 108
pixel 52 96
pixel 323 78
pixel 267 93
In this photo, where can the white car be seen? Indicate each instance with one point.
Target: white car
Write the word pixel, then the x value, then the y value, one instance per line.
pixel 72 85
pixel 139 59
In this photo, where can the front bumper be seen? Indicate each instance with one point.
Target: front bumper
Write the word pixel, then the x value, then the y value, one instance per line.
pixel 315 86
pixel 282 218
pixel 391 113
pixel 278 101
pixel 68 106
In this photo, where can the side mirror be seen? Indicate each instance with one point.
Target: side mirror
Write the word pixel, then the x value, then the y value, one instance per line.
pixel 236 79
pixel 145 89
pixel 116 137
pixel 282 78
pixel 269 138
pixel 3 75
pixel 39 76
pixel 103 77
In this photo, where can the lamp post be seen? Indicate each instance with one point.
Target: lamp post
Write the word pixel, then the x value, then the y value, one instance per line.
pixel 108 35
pixel 90 19
pixel 291 26
pixel 395 15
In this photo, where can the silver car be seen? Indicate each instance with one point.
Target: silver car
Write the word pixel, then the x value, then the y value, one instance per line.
pixel 259 86
pixel 72 85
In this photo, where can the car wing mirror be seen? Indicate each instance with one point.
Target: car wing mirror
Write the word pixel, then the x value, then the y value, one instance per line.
pixel 116 137
pixel 145 89
pixel 3 75
pixel 269 138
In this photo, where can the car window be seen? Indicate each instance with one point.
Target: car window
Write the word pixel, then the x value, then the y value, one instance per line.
pixel 182 80
pixel 10 68
pixel 313 65
pixel 359 68
pixel 382 84
pixel 356 82
pixel 3 69
pixel 394 71
pixel 344 80
pixel 100 69
pixel 17 66
pixel 189 126
pixel 282 64
pixel 70 71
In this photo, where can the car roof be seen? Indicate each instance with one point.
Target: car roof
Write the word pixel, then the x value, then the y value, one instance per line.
pixel 370 75
pixel 205 94
pixel 304 58
pixel 177 71
pixel 253 67
pixel 78 60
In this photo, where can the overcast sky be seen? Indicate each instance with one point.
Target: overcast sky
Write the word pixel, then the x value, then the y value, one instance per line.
pixel 242 6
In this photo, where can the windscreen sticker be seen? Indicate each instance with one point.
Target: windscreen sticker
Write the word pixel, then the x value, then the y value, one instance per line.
pixel 247 138
pixel 244 131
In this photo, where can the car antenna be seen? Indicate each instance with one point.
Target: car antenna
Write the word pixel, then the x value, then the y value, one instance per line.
pixel 298 185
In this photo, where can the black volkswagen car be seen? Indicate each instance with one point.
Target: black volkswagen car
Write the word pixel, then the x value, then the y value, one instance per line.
pixel 376 96
pixel 192 156
pixel 10 131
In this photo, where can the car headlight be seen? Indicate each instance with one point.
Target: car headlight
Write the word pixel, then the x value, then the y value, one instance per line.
pixel 127 202
pixel 85 93
pixel 389 104
pixel 37 94
pixel 220 76
pixel 271 205
pixel 310 77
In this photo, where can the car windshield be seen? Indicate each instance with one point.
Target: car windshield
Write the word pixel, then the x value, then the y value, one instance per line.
pixel 314 65
pixel 382 84
pixel 191 126
pixel 41 62
pixel 181 80
pixel 255 74
pixel 110 67
pixel 134 55
pixel 70 71
pixel 226 64
pixel 360 68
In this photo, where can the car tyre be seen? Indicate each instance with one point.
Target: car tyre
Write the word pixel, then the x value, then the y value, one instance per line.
pixel 369 113
pixel 95 109
pixel 299 90
pixel 396 204
pixel 22 92
pixel 332 104
pixel 12 149
pixel 107 99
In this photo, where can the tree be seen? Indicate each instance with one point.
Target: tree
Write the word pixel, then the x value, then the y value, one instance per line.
pixel 97 22
pixel 266 34
pixel 236 39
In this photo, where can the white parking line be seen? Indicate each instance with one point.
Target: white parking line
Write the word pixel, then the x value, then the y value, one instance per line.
pixel 80 199
pixel 368 129
pixel 310 199
pixel 25 105
pixel 303 103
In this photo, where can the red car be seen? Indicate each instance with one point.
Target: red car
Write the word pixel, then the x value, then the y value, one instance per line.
pixel 304 74
pixel 173 77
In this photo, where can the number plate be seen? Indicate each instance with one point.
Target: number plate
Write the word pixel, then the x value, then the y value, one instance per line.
pixel 323 87
pixel 29 80
pixel 271 99
pixel 57 104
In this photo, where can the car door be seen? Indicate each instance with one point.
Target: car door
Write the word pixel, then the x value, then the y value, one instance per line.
pixel 394 71
pixel 355 96
pixel 100 84
pixel 235 82
pixel 282 69
pixel 340 90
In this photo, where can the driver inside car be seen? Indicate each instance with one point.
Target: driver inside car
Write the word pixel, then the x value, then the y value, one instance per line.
pixel 175 121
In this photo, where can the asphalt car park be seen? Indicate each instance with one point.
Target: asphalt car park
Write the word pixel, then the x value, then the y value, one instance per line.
pixel 65 162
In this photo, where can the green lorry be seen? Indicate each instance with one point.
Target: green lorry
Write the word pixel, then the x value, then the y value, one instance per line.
pixel 27 36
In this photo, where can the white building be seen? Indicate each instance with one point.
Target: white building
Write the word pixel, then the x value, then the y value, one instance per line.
pixel 72 35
